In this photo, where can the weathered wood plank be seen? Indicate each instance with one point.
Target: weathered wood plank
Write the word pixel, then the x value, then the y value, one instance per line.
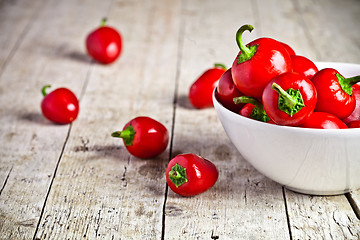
pixel 15 20
pixel 243 203
pixel 100 191
pixel 32 145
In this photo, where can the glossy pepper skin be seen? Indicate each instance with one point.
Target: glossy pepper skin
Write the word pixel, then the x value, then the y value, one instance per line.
pixel 323 120
pixel 144 137
pixel 304 66
pixel 190 174
pixel 200 91
pixel 59 106
pixel 355 115
pixel 104 44
pixel 335 93
pixel 289 99
pixel 257 63
pixel 226 92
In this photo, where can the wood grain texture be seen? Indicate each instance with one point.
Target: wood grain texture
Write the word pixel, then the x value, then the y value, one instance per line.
pixel 76 182
pixel 33 145
pixel 101 192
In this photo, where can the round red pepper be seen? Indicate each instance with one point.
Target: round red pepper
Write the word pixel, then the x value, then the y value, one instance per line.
pixel 190 174
pixel 60 106
pixel 355 115
pixel 104 44
pixel 253 109
pixel 144 137
pixel 289 49
pixel 323 120
pixel 289 99
pixel 200 92
pixel 335 94
pixel 304 66
pixel 257 63
pixel 226 92
pixel 354 124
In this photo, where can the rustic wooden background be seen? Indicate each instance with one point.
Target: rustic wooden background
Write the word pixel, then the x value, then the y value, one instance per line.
pixel 76 182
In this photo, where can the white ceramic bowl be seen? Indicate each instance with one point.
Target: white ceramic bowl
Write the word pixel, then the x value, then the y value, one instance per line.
pixel 311 161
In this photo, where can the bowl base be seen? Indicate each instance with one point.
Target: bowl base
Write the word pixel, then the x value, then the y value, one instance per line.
pixel 318 193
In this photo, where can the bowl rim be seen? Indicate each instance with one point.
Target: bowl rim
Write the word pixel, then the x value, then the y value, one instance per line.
pixel 314 131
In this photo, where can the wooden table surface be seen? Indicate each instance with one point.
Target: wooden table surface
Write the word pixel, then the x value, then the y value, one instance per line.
pixel 77 182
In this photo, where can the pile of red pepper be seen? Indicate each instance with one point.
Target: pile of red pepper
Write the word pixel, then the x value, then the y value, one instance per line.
pixel 268 82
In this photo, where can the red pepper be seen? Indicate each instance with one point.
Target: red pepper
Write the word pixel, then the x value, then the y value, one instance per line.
pixel 355 115
pixel 226 92
pixel 60 106
pixel 354 124
pixel 253 109
pixel 323 120
pixel 304 66
pixel 289 99
pixel 257 63
pixel 144 137
pixel 200 92
pixel 190 174
pixel 288 49
pixel 335 93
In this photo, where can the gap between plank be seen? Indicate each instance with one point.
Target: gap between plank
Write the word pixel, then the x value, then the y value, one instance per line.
pixel 287 213
pixel 6 179
pixel 22 35
pixel 83 90
pixel 353 205
pixel 177 76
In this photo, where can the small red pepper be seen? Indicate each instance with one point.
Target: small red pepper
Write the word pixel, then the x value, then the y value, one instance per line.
pixel 253 109
pixel 355 115
pixel 144 137
pixel 289 49
pixel 200 92
pixel 304 66
pixel 323 120
pixel 226 92
pixel 289 99
pixel 354 124
pixel 335 93
pixel 190 174
pixel 257 63
pixel 60 106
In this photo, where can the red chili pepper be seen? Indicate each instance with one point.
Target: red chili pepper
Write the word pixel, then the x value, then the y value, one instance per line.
pixel 226 92
pixel 323 120
pixel 144 137
pixel 257 63
pixel 304 66
pixel 354 124
pixel 289 99
pixel 288 49
pixel 104 44
pixel 60 106
pixel 355 115
pixel 335 93
pixel 190 174
pixel 253 109
pixel 200 92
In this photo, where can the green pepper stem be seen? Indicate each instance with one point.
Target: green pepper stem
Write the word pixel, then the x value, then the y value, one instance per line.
pixel 127 135
pixel 220 65
pixel 289 100
pixel 103 22
pixel 347 83
pixel 244 49
pixel 251 100
pixel 43 90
